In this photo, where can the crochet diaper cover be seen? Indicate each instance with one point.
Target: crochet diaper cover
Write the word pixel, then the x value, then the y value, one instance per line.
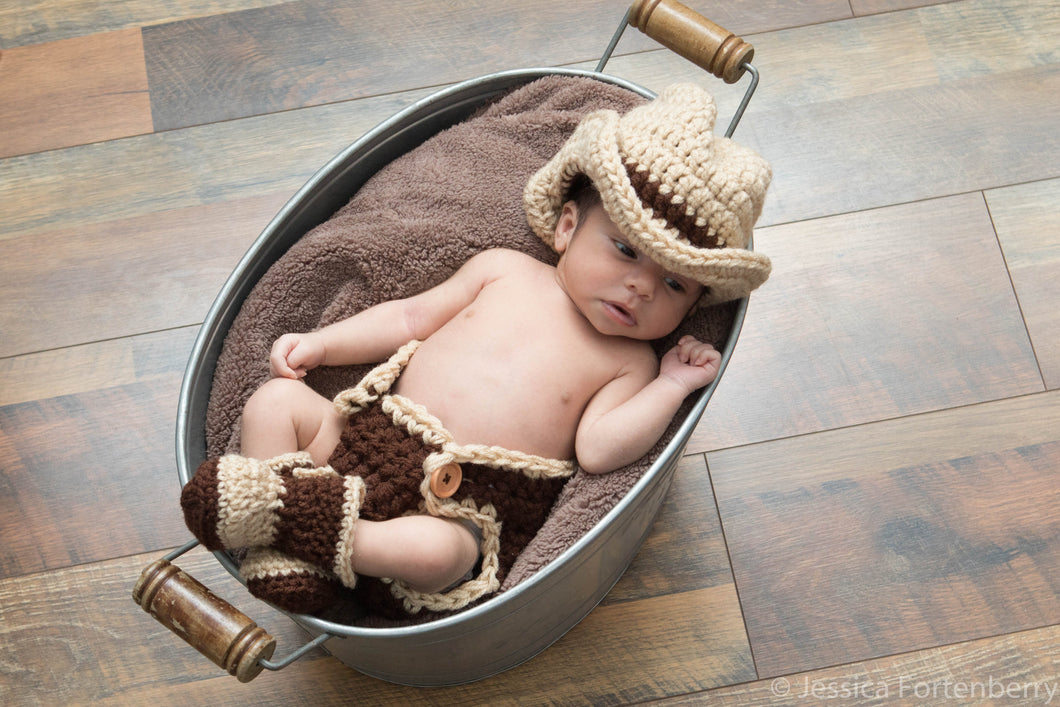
pixel 410 464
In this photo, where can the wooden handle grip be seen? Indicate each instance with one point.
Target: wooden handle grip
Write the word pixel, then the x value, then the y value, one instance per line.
pixel 210 624
pixel 692 36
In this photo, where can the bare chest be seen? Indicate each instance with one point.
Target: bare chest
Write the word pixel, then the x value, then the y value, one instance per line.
pixel 511 371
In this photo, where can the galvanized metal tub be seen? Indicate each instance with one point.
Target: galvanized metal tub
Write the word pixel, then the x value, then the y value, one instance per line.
pixel 514 625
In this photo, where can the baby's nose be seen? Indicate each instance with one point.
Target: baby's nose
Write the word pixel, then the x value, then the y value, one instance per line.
pixel 641 282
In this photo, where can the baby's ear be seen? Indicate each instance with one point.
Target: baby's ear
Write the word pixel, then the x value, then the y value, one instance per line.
pixel 566 226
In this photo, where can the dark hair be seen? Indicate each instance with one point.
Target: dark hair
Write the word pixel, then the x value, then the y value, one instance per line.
pixel 585 196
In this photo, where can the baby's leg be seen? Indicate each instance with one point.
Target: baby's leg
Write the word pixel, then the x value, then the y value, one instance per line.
pixel 286 415
pixel 286 504
pixel 429 554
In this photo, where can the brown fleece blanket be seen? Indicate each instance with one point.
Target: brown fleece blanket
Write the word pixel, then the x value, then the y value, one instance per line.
pixel 410 227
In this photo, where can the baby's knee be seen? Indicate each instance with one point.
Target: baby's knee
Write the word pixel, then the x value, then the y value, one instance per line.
pixel 450 556
pixel 275 393
pixel 430 554
pixel 277 399
pixel 287 412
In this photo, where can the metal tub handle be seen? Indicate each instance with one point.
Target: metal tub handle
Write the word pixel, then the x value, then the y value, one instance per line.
pixel 211 625
pixel 689 34
pixel 692 36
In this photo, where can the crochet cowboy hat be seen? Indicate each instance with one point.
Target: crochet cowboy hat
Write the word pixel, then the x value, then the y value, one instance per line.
pixel 683 196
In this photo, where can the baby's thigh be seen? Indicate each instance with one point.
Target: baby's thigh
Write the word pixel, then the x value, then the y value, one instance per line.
pixel 314 420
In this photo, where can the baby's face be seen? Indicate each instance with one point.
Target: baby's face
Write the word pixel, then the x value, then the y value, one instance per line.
pixel 621 291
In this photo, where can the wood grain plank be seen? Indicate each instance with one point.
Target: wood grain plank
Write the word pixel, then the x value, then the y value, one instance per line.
pixel 681 640
pixel 910 145
pixel 907 441
pixel 93 367
pixel 835 61
pixel 803 65
pixel 686 549
pixel 595 663
pixel 92 475
pixel 981 37
pixel 234 65
pixel 72 92
pixel 872 7
pixel 873 548
pixel 870 316
pixel 38 21
pixel 91 184
pixel 126 276
pixel 1027 220
pixel 843 60
pixel 1018 668
pixel 685 641
pixel 904 50
pixel 231 66
pixel 77 637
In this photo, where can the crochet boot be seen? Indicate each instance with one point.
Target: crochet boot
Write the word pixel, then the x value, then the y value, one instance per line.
pixel 283 503
pixel 287 582
pixel 281 580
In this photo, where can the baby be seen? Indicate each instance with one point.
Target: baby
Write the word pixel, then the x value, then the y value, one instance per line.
pixel 453 450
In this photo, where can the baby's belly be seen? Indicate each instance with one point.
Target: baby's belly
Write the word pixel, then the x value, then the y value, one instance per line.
pixel 479 400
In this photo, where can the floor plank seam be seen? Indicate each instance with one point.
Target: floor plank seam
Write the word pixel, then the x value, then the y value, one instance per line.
pixel 1015 292
pixel 868 423
pixel 106 340
pixel 732 572
pixel 899 204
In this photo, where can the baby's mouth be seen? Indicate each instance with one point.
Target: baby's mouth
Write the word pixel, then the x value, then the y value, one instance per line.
pixel 620 314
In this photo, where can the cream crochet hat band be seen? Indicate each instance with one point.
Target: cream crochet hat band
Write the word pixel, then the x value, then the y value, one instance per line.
pixel 683 196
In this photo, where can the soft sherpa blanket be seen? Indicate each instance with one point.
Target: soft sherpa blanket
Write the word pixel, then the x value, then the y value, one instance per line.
pixel 410 227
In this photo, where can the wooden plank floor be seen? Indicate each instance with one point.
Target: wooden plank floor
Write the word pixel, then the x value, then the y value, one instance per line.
pixel 869 511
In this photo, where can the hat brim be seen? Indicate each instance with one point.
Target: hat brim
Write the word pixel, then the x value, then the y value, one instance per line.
pixel 593 150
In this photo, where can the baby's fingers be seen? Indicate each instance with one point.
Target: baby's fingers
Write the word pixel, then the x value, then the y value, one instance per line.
pixel 706 356
pixel 298 361
pixel 685 348
pixel 279 368
pixel 703 355
pixel 278 358
pixel 696 353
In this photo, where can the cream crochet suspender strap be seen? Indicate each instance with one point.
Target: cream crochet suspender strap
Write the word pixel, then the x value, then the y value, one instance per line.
pixel 378 381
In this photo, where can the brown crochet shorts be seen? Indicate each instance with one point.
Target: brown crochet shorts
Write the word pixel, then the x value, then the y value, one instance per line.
pixel 410 464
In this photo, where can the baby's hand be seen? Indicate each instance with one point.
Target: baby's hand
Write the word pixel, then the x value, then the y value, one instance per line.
pixel 691 363
pixel 293 355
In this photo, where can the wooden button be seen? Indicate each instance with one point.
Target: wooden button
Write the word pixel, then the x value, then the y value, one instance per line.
pixel 445 480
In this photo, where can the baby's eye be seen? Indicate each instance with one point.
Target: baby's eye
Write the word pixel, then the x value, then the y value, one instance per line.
pixel 625 249
pixel 674 284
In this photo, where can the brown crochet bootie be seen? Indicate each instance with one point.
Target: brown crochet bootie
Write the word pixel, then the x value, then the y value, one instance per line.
pixel 284 503
pixel 230 501
pixel 287 582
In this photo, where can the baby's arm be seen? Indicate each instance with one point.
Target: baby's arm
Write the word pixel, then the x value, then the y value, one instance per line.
pixel 375 333
pixel 629 415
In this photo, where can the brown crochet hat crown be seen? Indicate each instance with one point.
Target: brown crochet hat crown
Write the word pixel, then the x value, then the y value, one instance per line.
pixel 684 197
